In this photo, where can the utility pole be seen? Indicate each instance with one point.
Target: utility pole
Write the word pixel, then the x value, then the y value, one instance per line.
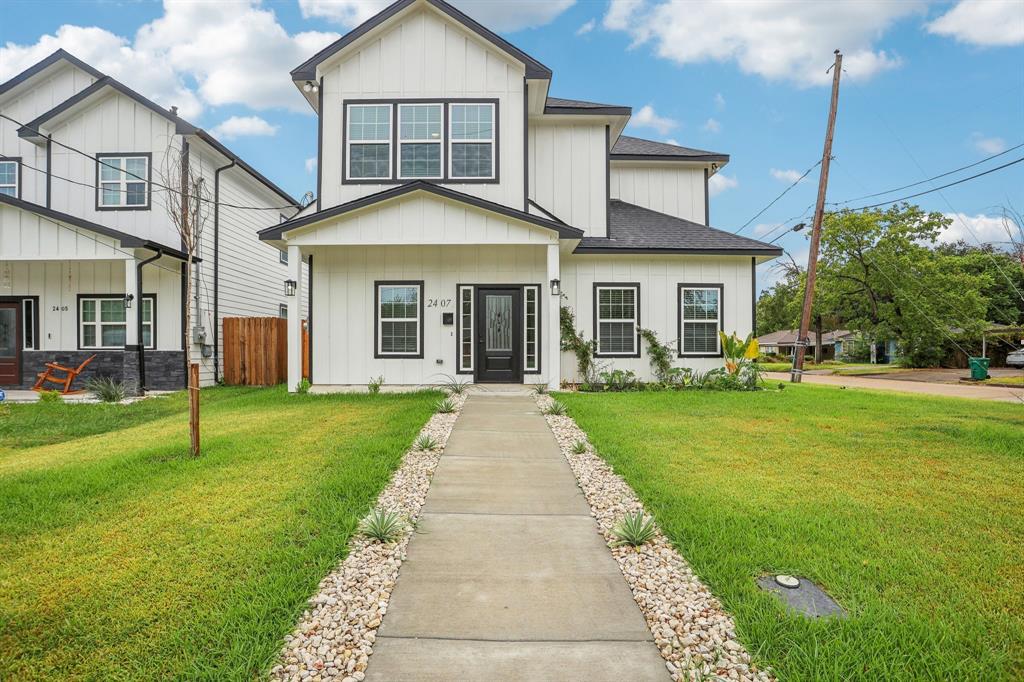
pixel 819 214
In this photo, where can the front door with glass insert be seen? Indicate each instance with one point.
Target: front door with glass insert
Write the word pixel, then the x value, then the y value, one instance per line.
pixel 499 335
pixel 10 344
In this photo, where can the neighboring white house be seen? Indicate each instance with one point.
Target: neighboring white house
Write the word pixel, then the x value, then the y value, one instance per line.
pixel 459 205
pixel 86 245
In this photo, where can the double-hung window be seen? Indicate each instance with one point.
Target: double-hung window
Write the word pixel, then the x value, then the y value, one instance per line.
pixel 419 141
pixel 369 141
pixel 10 172
pixel 399 307
pixel 700 319
pixel 103 322
pixel 123 181
pixel 617 319
pixel 471 138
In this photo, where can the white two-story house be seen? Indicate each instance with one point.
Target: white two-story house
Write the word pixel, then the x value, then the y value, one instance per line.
pixel 90 261
pixel 459 205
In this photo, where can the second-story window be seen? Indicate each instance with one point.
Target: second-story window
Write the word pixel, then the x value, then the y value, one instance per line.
pixel 123 181
pixel 9 178
pixel 472 140
pixel 419 141
pixel 369 141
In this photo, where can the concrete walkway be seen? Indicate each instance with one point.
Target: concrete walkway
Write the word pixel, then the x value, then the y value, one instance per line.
pixel 507 577
pixel 998 393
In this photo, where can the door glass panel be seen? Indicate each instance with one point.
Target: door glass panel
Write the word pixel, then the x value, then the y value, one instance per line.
pixel 499 323
pixel 8 332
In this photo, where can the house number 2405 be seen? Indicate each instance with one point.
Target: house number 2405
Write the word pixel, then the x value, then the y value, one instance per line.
pixel 438 303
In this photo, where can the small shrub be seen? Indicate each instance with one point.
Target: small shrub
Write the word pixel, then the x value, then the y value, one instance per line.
pixel 446 406
pixel 540 389
pixel 374 384
pixel 620 380
pixel 303 386
pixel 50 397
pixel 554 408
pixel 578 448
pixel 634 530
pixel 382 526
pixel 106 389
pixel 426 442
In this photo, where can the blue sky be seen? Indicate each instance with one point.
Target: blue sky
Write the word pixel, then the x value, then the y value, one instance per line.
pixel 928 86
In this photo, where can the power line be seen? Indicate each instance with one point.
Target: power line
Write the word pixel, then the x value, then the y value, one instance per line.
pixel 772 203
pixel 138 177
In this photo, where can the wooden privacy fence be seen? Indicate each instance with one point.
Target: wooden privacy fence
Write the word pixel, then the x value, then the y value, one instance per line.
pixel 256 351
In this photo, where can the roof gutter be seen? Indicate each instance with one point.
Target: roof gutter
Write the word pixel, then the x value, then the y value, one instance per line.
pixel 138 317
pixel 216 269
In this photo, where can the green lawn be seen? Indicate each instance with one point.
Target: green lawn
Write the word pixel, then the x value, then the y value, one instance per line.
pixel 121 557
pixel 1014 381
pixel 906 509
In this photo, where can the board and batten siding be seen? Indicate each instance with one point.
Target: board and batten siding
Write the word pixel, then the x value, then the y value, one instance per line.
pixel 659 278
pixel 422 56
pixel 568 173
pixel 343 305
pixel 677 191
pixel 23 105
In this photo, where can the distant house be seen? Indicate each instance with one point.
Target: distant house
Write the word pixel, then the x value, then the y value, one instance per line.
pixel 839 344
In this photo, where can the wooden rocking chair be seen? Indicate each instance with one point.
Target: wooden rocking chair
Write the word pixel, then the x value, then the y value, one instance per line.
pixel 70 374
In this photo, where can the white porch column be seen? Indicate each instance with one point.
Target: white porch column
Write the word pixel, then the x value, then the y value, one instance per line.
pixel 131 315
pixel 554 344
pixel 295 320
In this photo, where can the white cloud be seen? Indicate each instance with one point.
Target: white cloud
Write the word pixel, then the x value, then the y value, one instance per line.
pixel 719 182
pixel 986 23
pixel 498 15
pixel 672 140
pixel 719 101
pixel 586 28
pixel 987 228
pixel 711 126
pixel 776 39
pixel 235 51
pixel 988 145
pixel 648 118
pixel 789 176
pixel 243 126
pixel 311 165
pixel 764 228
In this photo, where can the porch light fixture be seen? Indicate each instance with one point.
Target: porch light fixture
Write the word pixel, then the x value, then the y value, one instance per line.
pixel 289 287
pixel 556 287
pixel 128 298
pixel 310 86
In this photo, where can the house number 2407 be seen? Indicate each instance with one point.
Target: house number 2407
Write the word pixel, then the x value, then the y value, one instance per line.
pixel 438 303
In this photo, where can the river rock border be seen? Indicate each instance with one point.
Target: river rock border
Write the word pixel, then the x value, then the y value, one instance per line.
pixel 334 638
pixel 695 635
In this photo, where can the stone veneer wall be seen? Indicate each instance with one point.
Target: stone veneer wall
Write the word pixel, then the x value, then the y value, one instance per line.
pixel 165 369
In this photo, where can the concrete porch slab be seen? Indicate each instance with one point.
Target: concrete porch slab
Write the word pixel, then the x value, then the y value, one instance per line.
pixel 491 485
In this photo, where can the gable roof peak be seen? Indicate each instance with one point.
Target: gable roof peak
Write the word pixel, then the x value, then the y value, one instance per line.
pixel 55 57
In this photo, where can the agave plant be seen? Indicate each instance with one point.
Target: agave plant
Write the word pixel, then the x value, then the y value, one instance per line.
pixel 426 442
pixel 554 408
pixel 382 526
pixel 578 448
pixel 736 350
pixel 634 530
pixel 446 406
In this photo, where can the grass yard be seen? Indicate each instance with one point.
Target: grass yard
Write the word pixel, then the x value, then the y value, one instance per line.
pixel 1012 381
pixel 907 509
pixel 121 557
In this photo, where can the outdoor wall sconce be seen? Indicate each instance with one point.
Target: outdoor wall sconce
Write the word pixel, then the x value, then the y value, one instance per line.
pixel 128 298
pixel 556 287
pixel 310 86
pixel 289 287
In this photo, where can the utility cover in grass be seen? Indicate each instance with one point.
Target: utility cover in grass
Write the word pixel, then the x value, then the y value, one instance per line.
pixel 807 599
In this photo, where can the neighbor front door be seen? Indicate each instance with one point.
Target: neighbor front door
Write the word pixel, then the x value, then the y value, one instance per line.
pixel 499 340
pixel 10 344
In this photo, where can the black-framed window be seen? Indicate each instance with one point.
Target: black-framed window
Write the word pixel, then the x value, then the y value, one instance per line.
pixel 700 320
pixel 617 319
pixel 282 311
pixel 398 313
pixel 103 322
pixel 123 181
pixel 394 141
pixel 10 176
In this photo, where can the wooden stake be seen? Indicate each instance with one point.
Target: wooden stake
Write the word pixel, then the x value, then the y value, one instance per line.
pixel 193 406
pixel 819 213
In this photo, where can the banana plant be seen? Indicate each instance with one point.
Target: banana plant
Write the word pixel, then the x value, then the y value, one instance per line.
pixel 736 350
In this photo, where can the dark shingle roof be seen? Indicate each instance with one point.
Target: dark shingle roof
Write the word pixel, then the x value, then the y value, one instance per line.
pixel 558 105
pixel 634 229
pixel 627 147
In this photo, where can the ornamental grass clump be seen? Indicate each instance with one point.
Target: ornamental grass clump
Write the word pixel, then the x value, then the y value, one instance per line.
pixel 634 530
pixel 555 408
pixel 107 390
pixel 382 526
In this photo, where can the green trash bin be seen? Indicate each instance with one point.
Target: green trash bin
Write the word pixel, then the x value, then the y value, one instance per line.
pixel 979 368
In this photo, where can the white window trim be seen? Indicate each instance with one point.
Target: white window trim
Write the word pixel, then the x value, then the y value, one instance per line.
pixel 527 368
pixel 418 320
pixel 282 311
pixel 26 328
pixel 439 142
pixel 99 325
pixel 635 320
pixel 683 321
pixel 349 142
pixel 123 181
pixel 452 141
pixel 463 367
pixel 17 177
